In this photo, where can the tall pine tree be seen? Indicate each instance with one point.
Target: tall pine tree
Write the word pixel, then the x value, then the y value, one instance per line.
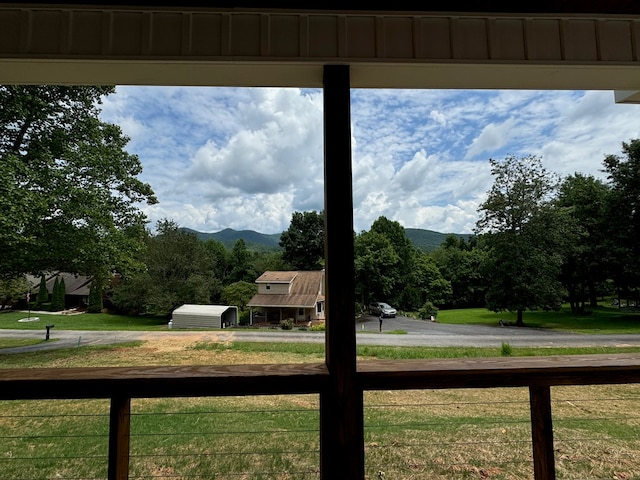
pixel 55 296
pixel 95 298
pixel 43 293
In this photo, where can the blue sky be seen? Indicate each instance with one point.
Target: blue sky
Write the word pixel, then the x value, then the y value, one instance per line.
pixel 246 158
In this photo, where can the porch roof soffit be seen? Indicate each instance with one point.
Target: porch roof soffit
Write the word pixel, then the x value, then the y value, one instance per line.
pixel 534 45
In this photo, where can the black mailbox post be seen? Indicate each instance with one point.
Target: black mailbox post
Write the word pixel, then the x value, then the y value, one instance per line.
pixel 48 327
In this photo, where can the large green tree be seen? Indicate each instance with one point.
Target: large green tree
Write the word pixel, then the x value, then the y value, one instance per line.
pixel 461 263
pixel 220 257
pixel 376 272
pixel 429 284
pixel 239 294
pixel 69 191
pixel 241 266
pixel 521 233
pixel 623 217
pixel 587 258
pixel 263 261
pixel 403 269
pixel 385 266
pixel 303 241
pixel 178 271
pixel 13 289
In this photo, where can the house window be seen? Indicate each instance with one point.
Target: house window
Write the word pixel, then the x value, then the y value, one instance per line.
pixel 301 311
pixel 319 307
pixel 268 287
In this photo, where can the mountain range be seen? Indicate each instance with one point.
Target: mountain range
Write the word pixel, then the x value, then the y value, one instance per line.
pixel 425 240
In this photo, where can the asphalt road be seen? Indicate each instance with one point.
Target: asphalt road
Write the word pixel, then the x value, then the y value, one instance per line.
pixel 419 333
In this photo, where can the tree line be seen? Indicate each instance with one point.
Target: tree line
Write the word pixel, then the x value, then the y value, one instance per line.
pixel 70 197
pixel 540 241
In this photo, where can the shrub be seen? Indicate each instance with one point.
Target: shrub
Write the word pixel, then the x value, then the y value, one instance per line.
pixel 317 328
pixel 286 324
pixel 243 317
pixel 427 310
pixel 506 350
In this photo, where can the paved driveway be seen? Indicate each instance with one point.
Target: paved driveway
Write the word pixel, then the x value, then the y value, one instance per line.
pixel 422 332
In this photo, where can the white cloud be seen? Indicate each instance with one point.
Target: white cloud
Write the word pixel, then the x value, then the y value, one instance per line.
pixel 438 117
pixel 280 151
pixel 247 158
pixel 419 172
pixel 492 137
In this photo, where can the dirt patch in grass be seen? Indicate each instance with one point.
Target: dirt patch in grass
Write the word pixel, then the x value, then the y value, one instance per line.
pixel 155 351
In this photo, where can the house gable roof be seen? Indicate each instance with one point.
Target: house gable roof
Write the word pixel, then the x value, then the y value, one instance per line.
pixel 74 284
pixel 277 277
pixel 306 289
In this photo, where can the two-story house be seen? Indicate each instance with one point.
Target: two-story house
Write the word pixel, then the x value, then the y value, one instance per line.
pixel 291 294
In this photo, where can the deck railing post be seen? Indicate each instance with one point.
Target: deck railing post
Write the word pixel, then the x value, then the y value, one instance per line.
pixel 542 433
pixel 119 435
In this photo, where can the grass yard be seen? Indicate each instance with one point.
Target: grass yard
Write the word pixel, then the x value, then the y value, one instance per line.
pixel 18 342
pixel 430 434
pixel 423 434
pixel 602 320
pixel 84 321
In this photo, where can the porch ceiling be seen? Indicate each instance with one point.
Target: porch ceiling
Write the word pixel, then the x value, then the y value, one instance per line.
pixel 558 44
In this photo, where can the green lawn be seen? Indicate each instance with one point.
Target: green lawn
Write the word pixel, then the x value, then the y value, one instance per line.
pixel 18 342
pixel 85 321
pixel 605 320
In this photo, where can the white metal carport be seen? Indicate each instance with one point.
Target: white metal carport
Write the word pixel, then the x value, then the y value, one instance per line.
pixel 204 316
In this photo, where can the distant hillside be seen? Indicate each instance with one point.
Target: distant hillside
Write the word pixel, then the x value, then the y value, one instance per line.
pixel 425 240
pixel 428 240
pixel 254 240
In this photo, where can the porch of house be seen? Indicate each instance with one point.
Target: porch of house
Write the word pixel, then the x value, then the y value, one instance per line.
pixel 268 316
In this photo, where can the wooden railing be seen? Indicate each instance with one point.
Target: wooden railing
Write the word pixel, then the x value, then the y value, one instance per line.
pixel 121 384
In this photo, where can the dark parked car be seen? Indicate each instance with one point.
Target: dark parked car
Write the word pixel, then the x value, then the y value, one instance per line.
pixel 382 309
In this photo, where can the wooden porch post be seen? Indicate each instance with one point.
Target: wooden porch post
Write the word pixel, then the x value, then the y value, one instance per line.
pixel 542 433
pixel 119 433
pixel 341 405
